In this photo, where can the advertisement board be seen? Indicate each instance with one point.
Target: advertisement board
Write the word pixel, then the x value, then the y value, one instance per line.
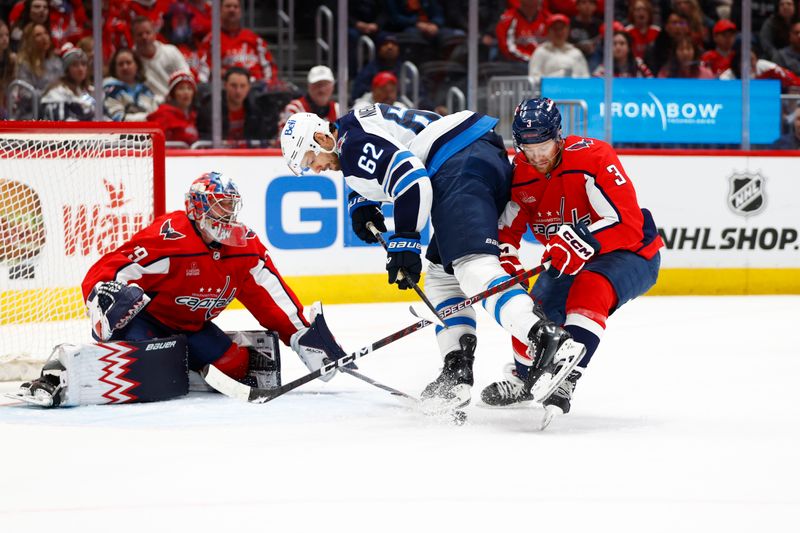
pixel 728 222
pixel 675 110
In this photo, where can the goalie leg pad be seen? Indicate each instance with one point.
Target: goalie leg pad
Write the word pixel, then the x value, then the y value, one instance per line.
pixel 123 372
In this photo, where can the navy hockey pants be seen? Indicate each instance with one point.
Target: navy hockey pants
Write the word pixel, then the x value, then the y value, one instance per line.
pixel 470 190
pixel 204 346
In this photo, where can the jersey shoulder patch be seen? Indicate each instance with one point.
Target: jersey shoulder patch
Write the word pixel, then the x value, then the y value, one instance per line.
pixel 579 145
pixel 168 233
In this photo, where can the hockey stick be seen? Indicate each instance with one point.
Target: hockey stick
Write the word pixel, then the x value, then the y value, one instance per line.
pixel 377 233
pixel 387 388
pixel 230 387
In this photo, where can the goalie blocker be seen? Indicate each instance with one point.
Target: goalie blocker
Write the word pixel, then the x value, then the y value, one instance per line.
pixel 138 371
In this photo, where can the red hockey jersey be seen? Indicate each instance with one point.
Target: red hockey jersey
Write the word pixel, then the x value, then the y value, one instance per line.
pixel 590 186
pixel 190 283
pixel 245 49
pixel 518 37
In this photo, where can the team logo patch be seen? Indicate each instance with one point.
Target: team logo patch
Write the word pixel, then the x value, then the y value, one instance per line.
pixel 746 196
pixel 193 270
pixel 340 142
pixel 580 145
pixel 168 233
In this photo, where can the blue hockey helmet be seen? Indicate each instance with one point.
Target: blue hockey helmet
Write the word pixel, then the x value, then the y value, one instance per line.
pixel 536 120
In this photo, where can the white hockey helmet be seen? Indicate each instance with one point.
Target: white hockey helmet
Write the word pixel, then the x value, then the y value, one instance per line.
pixel 297 139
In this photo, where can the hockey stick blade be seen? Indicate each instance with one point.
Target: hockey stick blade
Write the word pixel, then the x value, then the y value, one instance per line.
pixel 230 387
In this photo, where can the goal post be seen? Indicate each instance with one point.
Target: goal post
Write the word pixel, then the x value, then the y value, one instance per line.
pixel 69 193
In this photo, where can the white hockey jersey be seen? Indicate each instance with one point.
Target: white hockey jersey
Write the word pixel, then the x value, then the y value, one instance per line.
pixel 388 154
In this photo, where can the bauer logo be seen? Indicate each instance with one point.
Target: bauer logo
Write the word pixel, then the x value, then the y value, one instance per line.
pixel 746 196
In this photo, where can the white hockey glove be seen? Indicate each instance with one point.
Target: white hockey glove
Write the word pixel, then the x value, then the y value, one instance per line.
pixel 316 346
pixel 112 305
pixel 569 249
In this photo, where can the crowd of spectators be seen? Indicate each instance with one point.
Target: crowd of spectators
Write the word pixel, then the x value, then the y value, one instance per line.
pixel 156 55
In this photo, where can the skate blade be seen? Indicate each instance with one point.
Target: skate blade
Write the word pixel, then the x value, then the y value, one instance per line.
pixel 31 400
pixel 570 354
pixel 550 412
pixel 442 406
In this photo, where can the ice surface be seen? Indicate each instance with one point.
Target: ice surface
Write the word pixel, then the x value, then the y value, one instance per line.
pixel 688 419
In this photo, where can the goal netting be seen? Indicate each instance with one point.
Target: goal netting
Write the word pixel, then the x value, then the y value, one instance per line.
pixel 69 193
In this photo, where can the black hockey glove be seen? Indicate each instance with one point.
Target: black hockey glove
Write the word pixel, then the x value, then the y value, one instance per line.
pixel 112 305
pixel 363 211
pixel 405 252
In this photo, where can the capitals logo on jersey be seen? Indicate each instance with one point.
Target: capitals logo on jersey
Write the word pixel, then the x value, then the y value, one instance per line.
pixel 580 145
pixel 213 305
pixel 168 233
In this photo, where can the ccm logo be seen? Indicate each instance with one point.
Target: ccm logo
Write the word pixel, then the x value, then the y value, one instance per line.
pixel 578 245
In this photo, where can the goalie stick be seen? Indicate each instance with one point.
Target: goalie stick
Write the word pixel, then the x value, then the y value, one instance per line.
pixel 232 388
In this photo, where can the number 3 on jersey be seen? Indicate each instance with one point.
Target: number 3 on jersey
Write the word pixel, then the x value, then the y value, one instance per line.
pixel 369 161
pixel 614 170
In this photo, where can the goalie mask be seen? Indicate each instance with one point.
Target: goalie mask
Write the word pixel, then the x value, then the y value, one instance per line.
pixel 297 139
pixel 213 203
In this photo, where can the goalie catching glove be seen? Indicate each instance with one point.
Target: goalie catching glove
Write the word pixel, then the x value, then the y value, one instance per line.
pixel 569 249
pixel 316 346
pixel 112 305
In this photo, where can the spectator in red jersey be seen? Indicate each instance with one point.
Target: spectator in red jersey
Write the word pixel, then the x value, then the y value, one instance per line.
pixel 68 22
pixel 38 63
pixel 160 61
pixel 243 122
pixel 65 19
pixel 177 117
pixel 719 59
pixel 774 33
pixel 585 27
pixel 24 13
pixel 187 22
pixel 684 62
pixel 116 28
pixel 761 69
pixel 640 26
pixel 243 48
pixel 317 100
pixel 626 65
pixel 71 97
pixel 521 29
pixel 152 9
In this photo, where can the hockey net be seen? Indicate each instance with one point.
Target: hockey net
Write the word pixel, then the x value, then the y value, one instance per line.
pixel 69 193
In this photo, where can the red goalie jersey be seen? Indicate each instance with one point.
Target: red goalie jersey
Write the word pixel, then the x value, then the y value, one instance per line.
pixel 190 283
pixel 590 186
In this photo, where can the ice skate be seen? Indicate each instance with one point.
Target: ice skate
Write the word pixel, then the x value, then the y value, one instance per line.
pixel 44 391
pixel 452 389
pixel 509 391
pixel 555 355
pixel 559 402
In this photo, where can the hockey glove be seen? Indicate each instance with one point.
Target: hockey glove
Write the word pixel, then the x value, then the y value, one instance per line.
pixel 112 305
pixel 509 260
pixel 569 249
pixel 316 346
pixel 405 253
pixel 363 211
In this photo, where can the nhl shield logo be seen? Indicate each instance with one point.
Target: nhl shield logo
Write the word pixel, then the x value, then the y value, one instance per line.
pixel 747 193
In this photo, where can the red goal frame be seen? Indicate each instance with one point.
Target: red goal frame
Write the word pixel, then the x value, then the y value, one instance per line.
pixel 159 154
